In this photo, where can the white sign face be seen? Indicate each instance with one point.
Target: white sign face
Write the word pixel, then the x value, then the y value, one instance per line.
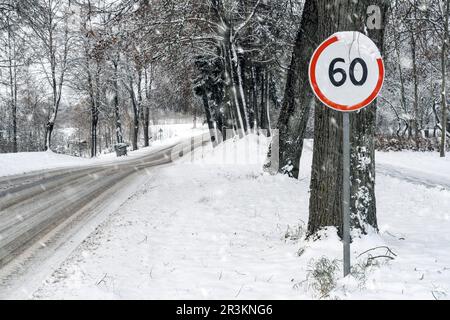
pixel 346 71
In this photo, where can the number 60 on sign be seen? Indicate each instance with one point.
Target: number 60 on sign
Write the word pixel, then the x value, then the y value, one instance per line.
pixel 346 71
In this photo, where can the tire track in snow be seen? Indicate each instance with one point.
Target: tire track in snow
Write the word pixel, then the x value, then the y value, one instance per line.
pixel 414 176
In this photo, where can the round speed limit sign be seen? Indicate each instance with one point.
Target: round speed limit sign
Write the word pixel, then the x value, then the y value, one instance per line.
pixel 346 71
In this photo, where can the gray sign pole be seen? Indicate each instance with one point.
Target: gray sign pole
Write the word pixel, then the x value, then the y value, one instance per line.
pixel 346 192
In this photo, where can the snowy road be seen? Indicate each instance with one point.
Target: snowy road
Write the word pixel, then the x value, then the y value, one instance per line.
pixel 419 168
pixel 414 176
pixel 33 205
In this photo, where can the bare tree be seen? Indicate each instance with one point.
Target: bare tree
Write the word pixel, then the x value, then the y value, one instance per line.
pixel 445 9
pixel 49 21
pixel 295 111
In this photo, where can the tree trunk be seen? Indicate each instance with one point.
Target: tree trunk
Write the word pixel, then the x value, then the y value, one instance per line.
pixel 326 176
pixel 264 88
pixel 298 95
pixel 232 85
pixel 267 106
pixel 209 119
pixel 146 123
pixel 254 90
pixel 48 134
pixel 13 83
pixel 135 121
pixel 400 71
pixel 415 123
pixel 239 80
pixel 93 111
pixel 135 106
pixel 444 75
pixel 119 132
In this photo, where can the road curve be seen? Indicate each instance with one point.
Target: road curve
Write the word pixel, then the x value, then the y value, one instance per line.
pixel 31 205
pixel 426 179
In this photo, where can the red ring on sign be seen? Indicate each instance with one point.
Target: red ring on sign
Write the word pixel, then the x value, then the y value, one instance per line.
pixel 328 102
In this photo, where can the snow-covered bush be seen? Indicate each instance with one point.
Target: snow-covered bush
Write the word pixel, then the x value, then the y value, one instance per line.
pixel 386 143
pixel 322 276
pixel 296 232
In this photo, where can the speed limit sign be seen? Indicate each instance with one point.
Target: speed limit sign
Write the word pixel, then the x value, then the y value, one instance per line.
pixel 346 71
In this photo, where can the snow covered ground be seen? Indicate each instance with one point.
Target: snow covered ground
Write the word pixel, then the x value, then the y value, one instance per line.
pixel 205 230
pixel 425 168
pixel 24 162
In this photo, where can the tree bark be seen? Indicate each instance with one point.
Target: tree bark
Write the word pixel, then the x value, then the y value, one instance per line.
pixel 254 93
pixel 135 133
pixel 401 77
pixel 326 177
pixel 298 95
pixel 264 89
pixel 208 115
pixel 94 114
pixel 118 122
pixel 146 112
pixel 444 75
pixel 13 83
pixel 415 123
pixel 232 85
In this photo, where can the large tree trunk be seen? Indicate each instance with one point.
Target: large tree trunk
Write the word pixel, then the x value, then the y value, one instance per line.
pixel 241 95
pixel 444 75
pixel 135 133
pixel 93 109
pixel 208 115
pixel 48 134
pixel 326 176
pixel 264 124
pixel 118 122
pixel 232 86
pixel 146 123
pixel 136 114
pixel 298 95
pixel 254 93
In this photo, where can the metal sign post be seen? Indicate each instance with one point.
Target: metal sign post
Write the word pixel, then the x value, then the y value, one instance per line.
pixel 346 73
pixel 346 192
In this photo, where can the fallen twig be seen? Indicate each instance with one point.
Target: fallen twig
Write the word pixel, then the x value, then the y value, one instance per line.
pixel 240 289
pixel 380 247
pixel 381 256
pixel 102 279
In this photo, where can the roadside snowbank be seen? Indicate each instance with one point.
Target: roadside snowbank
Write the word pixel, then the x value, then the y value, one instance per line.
pixel 203 230
pixel 25 162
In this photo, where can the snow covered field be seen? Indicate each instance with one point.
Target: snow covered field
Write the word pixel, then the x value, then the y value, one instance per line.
pixel 24 162
pixel 204 230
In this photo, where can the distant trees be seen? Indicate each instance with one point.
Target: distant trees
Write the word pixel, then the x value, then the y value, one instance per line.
pixel 13 57
pixel 237 47
pixel 12 49
pixel 239 64
pixel 60 58
pixel 412 105
pixel 233 53
pixel 49 22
